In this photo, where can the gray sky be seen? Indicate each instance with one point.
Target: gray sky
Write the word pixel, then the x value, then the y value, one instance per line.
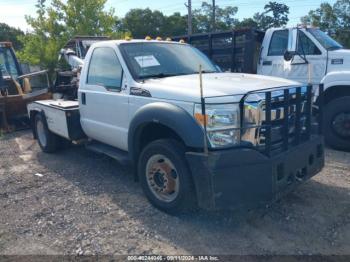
pixel 12 12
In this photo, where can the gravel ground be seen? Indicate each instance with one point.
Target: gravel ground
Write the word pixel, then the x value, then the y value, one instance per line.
pixel 85 203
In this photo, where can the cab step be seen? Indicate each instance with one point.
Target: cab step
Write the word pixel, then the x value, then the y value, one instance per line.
pixel 121 156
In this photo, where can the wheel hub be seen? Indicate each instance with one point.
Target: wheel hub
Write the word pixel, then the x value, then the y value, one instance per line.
pixel 341 124
pixel 162 178
pixel 159 179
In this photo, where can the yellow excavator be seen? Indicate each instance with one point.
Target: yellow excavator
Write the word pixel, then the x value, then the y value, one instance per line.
pixel 18 89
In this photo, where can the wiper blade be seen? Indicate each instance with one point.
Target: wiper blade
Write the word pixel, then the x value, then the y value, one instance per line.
pixel 208 71
pixel 203 72
pixel 160 75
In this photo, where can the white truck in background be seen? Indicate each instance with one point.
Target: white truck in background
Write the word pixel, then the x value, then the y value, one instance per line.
pixel 308 55
pixel 303 54
pixel 238 140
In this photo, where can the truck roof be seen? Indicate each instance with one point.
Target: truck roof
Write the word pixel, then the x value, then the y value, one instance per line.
pixel 124 41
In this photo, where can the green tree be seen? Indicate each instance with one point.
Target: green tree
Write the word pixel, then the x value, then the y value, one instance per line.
pixel 203 18
pixel 41 46
pixel 85 17
pixel 323 17
pixel 247 23
pixel 335 20
pixel 11 34
pixel 175 24
pixel 53 25
pixel 143 22
pixel 275 15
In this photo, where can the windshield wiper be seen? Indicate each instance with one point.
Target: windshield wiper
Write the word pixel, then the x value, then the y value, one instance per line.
pixel 206 72
pixel 203 72
pixel 161 75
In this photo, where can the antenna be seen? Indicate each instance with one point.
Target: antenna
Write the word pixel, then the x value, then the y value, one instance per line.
pixel 205 143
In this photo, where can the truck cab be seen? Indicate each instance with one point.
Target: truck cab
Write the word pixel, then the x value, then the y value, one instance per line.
pixel 194 135
pixel 308 55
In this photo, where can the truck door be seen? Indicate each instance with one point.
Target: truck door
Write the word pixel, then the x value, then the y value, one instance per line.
pixel 309 62
pixel 103 101
pixel 274 46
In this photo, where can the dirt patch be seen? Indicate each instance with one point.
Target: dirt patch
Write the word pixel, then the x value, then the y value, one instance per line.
pixel 78 202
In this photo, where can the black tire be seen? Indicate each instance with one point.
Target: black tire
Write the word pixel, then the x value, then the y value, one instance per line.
pixel 50 144
pixel 63 143
pixel 175 152
pixel 333 109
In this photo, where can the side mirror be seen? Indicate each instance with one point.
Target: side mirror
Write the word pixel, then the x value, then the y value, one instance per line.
pixel 288 55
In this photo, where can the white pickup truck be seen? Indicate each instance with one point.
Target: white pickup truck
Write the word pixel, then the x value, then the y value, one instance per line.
pixel 246 141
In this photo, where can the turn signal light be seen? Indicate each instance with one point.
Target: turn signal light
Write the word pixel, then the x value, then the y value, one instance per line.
pixel 200 118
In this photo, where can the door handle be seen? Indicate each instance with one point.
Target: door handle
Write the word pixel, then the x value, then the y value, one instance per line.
pixel 266 62
pixel 83 98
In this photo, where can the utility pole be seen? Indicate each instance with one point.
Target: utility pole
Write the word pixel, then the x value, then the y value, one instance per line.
pixel 189 17
pixel 213 22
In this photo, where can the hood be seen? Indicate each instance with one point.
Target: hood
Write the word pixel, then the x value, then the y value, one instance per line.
pixel 340 52
pixel 343 54
pixel 186 87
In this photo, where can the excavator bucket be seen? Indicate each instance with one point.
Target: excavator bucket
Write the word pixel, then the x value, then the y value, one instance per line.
pixel 18 89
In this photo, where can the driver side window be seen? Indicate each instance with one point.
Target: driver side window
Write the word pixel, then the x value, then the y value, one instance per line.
pixel 279 43
pixel 306 46
pixel 105 69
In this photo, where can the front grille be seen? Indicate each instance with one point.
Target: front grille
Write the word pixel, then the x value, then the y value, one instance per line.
pixel 279 119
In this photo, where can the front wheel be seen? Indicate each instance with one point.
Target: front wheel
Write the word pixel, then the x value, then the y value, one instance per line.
pixel 337 123
pixel 165 176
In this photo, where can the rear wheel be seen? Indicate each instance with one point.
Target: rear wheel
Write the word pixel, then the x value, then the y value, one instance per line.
pixel 165 177
pixel 337 123
pixel 46 139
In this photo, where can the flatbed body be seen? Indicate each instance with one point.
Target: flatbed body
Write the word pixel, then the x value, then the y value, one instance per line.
pixel 62 116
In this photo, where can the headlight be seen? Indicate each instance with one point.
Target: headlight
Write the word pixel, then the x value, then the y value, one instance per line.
pixel 223 123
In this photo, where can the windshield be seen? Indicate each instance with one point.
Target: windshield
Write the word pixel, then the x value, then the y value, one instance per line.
pixel 325 40
pixel 156 60
pixel 7 63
